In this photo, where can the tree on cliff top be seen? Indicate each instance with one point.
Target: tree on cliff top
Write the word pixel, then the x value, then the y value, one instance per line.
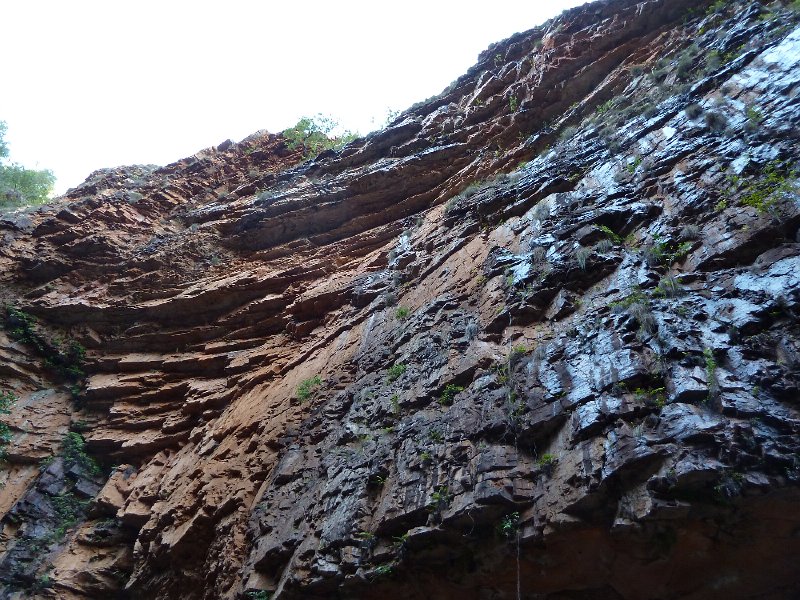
pixel 20 186
pixel 316 134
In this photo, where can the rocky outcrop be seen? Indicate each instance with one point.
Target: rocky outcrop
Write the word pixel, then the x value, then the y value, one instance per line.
pixel 537 338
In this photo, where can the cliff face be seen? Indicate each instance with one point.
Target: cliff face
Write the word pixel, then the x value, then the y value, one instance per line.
pixel 538 338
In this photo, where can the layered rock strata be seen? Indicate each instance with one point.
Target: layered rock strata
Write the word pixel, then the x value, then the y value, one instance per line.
pixel 537 338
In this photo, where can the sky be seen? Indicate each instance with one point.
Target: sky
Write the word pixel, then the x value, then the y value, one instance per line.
pixel 100 83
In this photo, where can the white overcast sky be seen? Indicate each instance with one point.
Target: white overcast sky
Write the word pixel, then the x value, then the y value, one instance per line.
pixel 101 83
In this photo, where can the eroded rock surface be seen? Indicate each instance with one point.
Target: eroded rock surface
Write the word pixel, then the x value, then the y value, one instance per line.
pixel 537 338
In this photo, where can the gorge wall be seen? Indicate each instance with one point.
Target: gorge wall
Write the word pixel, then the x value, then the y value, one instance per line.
pixel 536 338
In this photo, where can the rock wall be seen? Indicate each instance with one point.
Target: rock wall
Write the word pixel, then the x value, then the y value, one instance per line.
pixel 537 338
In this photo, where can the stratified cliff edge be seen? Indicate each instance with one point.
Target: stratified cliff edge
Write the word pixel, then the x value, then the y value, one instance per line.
pixel 538 338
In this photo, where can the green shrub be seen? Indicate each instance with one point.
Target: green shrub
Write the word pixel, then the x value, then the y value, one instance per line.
pixel 651 396
pixel 754 115
pixel 69 510
pixel 68 359
pixel 635 297
pixel 400 540
pixel 63 356
pixel 509 525
pixel 634 164
pixel 436 436
pixel 664 252
pixel 604 108
pixel 502 371
pixel 395 371
pixel 711 374
pixel 546 462
pixel 449 393
pixel 637 305
pixel 717 7
pixel 547 459
pixel 365 536
pixel 402 313
pixel 7 400
pixel 73 449
pixel 519 349
pixel 440 498
pixel 612 235
pixel 43 582
pixel 315 135
pixel 307 387
pixel 469 191
pixel 764 190
pixel 20 326
pixel 669 287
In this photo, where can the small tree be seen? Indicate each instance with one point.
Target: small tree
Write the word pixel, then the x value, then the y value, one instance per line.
pixel 3 145
pixel 20 186
pixel 316 134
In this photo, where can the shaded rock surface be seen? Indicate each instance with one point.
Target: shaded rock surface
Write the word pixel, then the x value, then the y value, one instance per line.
pixel 536 338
